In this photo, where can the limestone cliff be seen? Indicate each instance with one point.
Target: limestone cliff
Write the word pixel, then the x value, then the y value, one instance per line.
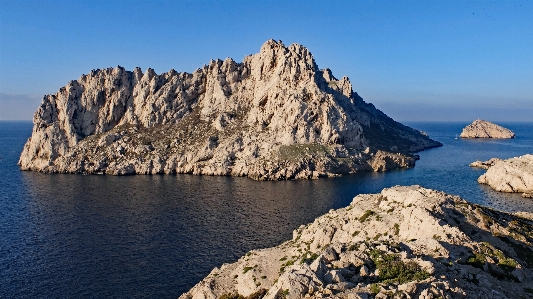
pixel 406 242
pixel 273 116
pixel 484 129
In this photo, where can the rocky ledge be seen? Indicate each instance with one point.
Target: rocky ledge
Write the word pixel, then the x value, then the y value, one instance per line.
pixel 406 242
pixel 484 129
pixel 511 175
pixel 274 116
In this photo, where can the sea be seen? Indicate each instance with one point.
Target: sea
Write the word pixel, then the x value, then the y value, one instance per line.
pixel 156 236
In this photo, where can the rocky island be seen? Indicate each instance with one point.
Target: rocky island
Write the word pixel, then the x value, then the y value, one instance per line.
pixel 406 242
pixel 484 129
pixel 274 116
pixel 511 175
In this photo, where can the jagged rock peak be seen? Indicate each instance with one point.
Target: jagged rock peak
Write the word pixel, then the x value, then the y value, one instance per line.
pixel 485 129
pixel 275 115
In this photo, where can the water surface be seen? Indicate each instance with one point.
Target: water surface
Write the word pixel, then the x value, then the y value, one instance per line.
pixel 70 236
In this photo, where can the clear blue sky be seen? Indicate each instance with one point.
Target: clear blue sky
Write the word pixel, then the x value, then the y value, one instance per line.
pixel 414 60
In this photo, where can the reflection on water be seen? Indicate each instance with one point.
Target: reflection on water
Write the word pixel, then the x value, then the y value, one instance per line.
pixel 156 236
pixel 110 235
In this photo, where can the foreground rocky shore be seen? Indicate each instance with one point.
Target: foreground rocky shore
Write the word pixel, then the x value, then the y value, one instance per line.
pixel 274 116
pixel 406 242
pixel 511 175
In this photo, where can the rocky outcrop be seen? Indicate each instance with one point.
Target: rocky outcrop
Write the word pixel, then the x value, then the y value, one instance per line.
pixel 485 164
pixel 273 116
pixel 511 175
pixel 406 242
pixel 484 129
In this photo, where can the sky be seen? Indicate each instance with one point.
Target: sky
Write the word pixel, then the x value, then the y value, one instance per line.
pixel 414 60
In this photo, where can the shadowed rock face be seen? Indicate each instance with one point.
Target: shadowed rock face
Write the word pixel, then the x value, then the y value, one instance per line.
pixel 406 242
pixel 273 116
pixel 484 129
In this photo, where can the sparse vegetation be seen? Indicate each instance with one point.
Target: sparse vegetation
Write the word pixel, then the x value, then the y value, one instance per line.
pixel 477 260
pixel 353 247
pixel 287 264
pixel 393 270
pixel 396 229
pixel 246 269
pixel 282 295
pixel 231 296
pixel 366 215
pixel 374 288
pixel 296 151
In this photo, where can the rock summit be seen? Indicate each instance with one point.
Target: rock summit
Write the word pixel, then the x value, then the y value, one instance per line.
pixel 274 116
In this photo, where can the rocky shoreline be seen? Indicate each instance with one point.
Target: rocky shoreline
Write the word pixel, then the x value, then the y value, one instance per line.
pixel 274 116
pixel 405 242
pixel 511 175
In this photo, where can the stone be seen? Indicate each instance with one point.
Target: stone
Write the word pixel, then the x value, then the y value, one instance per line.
pixel 511 175
pixel 333 276
pixel 274 116
pixel 364 272
pixel 484 129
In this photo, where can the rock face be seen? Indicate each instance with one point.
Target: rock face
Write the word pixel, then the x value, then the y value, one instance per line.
pixel 406 242
pixel 484 129
pixel 273 116
pixel 511 175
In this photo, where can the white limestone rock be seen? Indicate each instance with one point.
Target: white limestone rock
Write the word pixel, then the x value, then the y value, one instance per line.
pixel 274 116
pixel 484 129
pixel 485 164
pixel 457 249
pixel 511 175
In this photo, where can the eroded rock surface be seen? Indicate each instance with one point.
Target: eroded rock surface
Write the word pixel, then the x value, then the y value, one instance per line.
pixel 484 129
pixel 273 116
pixel 406 242
pixel 511 175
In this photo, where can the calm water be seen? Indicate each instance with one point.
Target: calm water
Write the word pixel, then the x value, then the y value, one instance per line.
pixel 72 236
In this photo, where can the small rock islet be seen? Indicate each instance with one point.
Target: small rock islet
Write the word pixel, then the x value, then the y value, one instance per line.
pixel 485 129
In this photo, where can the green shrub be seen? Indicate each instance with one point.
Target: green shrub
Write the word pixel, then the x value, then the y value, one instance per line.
pixel 393 270
pixel 231 296
pixel 374 288
pixel 365 216
pixel 477 260
pixel 396 229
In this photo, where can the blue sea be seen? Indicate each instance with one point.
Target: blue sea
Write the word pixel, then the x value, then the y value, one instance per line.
pixel 76 236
